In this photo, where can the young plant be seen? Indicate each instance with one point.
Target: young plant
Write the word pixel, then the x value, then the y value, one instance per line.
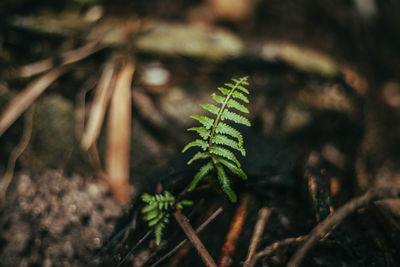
pixel 218 138
pixel 157 211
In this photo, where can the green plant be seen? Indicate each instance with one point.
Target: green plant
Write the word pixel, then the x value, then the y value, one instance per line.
pixel 217 137
pixel 157 211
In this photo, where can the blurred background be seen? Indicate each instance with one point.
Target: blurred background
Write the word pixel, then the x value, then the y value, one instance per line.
pixel 96 97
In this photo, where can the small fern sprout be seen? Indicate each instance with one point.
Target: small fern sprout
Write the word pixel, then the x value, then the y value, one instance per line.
pixel 157 211
pixel 218 138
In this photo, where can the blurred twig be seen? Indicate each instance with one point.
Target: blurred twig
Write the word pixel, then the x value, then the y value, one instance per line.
pixel 17 151
pixel 263 216
pixel 233 235
pixel 276 245
pixel 25 98
pixel 337 217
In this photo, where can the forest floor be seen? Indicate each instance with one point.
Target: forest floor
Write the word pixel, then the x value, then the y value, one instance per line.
pixel 324 106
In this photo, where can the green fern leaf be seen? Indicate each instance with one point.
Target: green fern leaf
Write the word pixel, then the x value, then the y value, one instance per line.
pixel 197 156
pixel 197 142
pixel 199 175
pixel 244 90
pixel 149 207
pixel 232 167
pixel 223 128
pixel 220 139
pixel 225 185
pixel 206 121
pixel 223 152
pixel 211 108
pixel 158 231
pixel 223 90
pixel 235 117
pixel 146 198
pixel 219 99
pixel 236 105
pixel 230 85
pixel 240 96
pixel 241 81
pixel 202 131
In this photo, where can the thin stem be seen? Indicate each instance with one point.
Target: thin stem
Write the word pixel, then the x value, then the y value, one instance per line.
pixel 219 116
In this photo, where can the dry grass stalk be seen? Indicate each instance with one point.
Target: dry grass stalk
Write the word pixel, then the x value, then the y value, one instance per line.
pixel 98 108
pixel 119 134
pixel 25 98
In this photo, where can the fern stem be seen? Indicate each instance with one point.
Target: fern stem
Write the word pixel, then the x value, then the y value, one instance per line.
pixel 219 116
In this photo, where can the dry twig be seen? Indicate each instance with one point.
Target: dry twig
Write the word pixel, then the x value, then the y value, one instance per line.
pixel 194 239
pixel 276 245
pixel 183 242
pixel 337 217
pixel 68 57
pixel 25 98
pixel 17 151
pixel 263 216
pixel 101 99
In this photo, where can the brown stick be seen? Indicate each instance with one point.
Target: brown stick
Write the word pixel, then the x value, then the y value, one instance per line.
pixel 329 223
pixel 263 216
pixel 194 239
pixel 235 230
pixel 183 242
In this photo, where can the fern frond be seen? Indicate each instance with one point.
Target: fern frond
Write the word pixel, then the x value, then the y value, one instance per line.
pixel 225 184
pixel 156 211
pixel 219 99
pixel 202 131
pixel 236 105
pixel 219 134
pixel 158 231
pixel 235 117
pixel 232 167
pixel 223 128
pixel 240 96
pixel 200 143
pixel 206 121
pixel 199 155
pixel 200 174
pixel 230 85
pixel 211 108
pixel 220 139
pixel 244 90
pixel 223 90
pixel 223 152
pixel 241 81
